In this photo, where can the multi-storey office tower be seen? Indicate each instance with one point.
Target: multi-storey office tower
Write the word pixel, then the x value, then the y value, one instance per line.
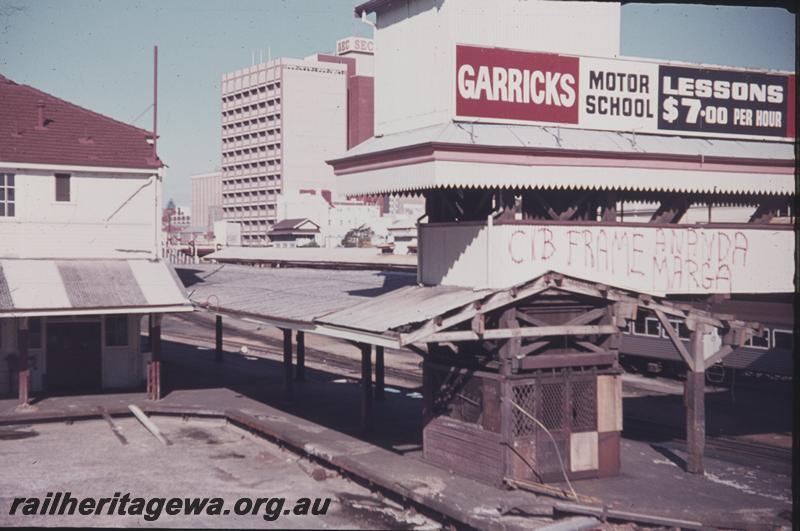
pixel 280 121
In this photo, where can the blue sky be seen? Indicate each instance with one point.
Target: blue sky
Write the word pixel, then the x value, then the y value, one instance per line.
pixel 98 53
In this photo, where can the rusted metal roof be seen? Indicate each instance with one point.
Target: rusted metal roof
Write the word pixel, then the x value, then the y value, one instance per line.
pixel 55 287
pixel 38 128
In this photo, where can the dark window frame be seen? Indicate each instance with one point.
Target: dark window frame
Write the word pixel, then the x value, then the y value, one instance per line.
pixel 60 189
pixel 35 332
pixel 113 336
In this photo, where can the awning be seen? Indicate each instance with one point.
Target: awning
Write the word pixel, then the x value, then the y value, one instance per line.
pixel 86 287
pixel 480 155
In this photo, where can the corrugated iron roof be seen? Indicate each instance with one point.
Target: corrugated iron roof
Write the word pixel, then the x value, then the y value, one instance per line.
pixel 68 134
pixel 293 294
pixel 367 257
pixel 646 161
pixel 41 287
pixel 409 305
pixel 563 138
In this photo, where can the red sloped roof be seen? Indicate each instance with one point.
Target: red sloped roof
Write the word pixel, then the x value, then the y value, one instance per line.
pixel 71 134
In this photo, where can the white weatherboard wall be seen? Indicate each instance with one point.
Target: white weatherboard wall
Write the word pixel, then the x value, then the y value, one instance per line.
pixel 108 216
pixel 314 117
pixel 414 66
pixel 638 257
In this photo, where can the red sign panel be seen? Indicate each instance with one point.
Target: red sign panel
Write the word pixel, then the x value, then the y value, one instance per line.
pixel 509 84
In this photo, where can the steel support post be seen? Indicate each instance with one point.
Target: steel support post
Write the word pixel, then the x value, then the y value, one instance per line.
pixel 300 371
pixel 288 383
pixel 366 385
pixel 379 374
pixel 218 344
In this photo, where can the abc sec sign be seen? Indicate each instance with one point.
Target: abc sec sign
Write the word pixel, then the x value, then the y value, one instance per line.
pixel 356 45
pixel 511 86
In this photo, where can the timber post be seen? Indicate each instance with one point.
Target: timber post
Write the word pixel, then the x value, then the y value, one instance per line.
pixel 695 404
pixel 24 365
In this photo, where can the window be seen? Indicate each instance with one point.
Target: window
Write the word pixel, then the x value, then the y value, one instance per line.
pixel 783 339
pixel 7 199
pixel 652 327
pixel 35 332
pixel 680 327
pixel 62 187
pixel 759 340
pixel 638 325
pixel 116 330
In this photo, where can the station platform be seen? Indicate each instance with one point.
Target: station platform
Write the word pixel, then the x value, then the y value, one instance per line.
pixel 323 423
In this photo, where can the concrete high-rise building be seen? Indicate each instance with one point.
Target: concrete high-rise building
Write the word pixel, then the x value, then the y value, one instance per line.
pixel 281 120
pixel 206 199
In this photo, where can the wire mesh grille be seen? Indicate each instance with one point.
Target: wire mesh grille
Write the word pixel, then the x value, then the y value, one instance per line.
pixel 524 396
pixel 584 405
pixel 553 397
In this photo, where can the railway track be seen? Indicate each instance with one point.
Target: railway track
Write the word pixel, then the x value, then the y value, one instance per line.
pixel 725 448
pixel 273 348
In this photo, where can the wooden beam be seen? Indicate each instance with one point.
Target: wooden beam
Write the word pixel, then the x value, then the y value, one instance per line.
pixel 534 331
pixel 573 359
pixel 468 311
pixel 532 347
pixel 590 346
pixel 417 350
pixel 676 341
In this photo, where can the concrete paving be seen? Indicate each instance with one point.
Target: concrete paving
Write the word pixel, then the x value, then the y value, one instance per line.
pixel 207 458
pixel 324 421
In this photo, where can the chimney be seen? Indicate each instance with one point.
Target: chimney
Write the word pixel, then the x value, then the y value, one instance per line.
pixel 40 115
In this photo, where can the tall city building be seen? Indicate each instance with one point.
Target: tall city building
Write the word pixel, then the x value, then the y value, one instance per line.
pixel 281 120
pixel 206 199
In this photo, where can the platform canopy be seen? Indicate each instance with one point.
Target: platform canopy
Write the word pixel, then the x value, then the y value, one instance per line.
pixel 484 155
pixel 30 288
pixel 387 309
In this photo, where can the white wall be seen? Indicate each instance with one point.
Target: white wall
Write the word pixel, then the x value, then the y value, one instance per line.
pixel 415 40
pixel 649 259
pixel 108 216
pixel 314 117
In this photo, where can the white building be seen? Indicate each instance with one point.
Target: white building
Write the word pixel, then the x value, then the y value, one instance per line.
pixel 334 218
pixel 281 120
pixel 181 218
pixel 80 223
pixel 206 198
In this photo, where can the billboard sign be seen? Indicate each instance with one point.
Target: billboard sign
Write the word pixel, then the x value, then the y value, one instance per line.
pixel 511 86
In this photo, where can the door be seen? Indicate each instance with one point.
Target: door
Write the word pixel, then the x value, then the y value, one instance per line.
pixel 74 353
